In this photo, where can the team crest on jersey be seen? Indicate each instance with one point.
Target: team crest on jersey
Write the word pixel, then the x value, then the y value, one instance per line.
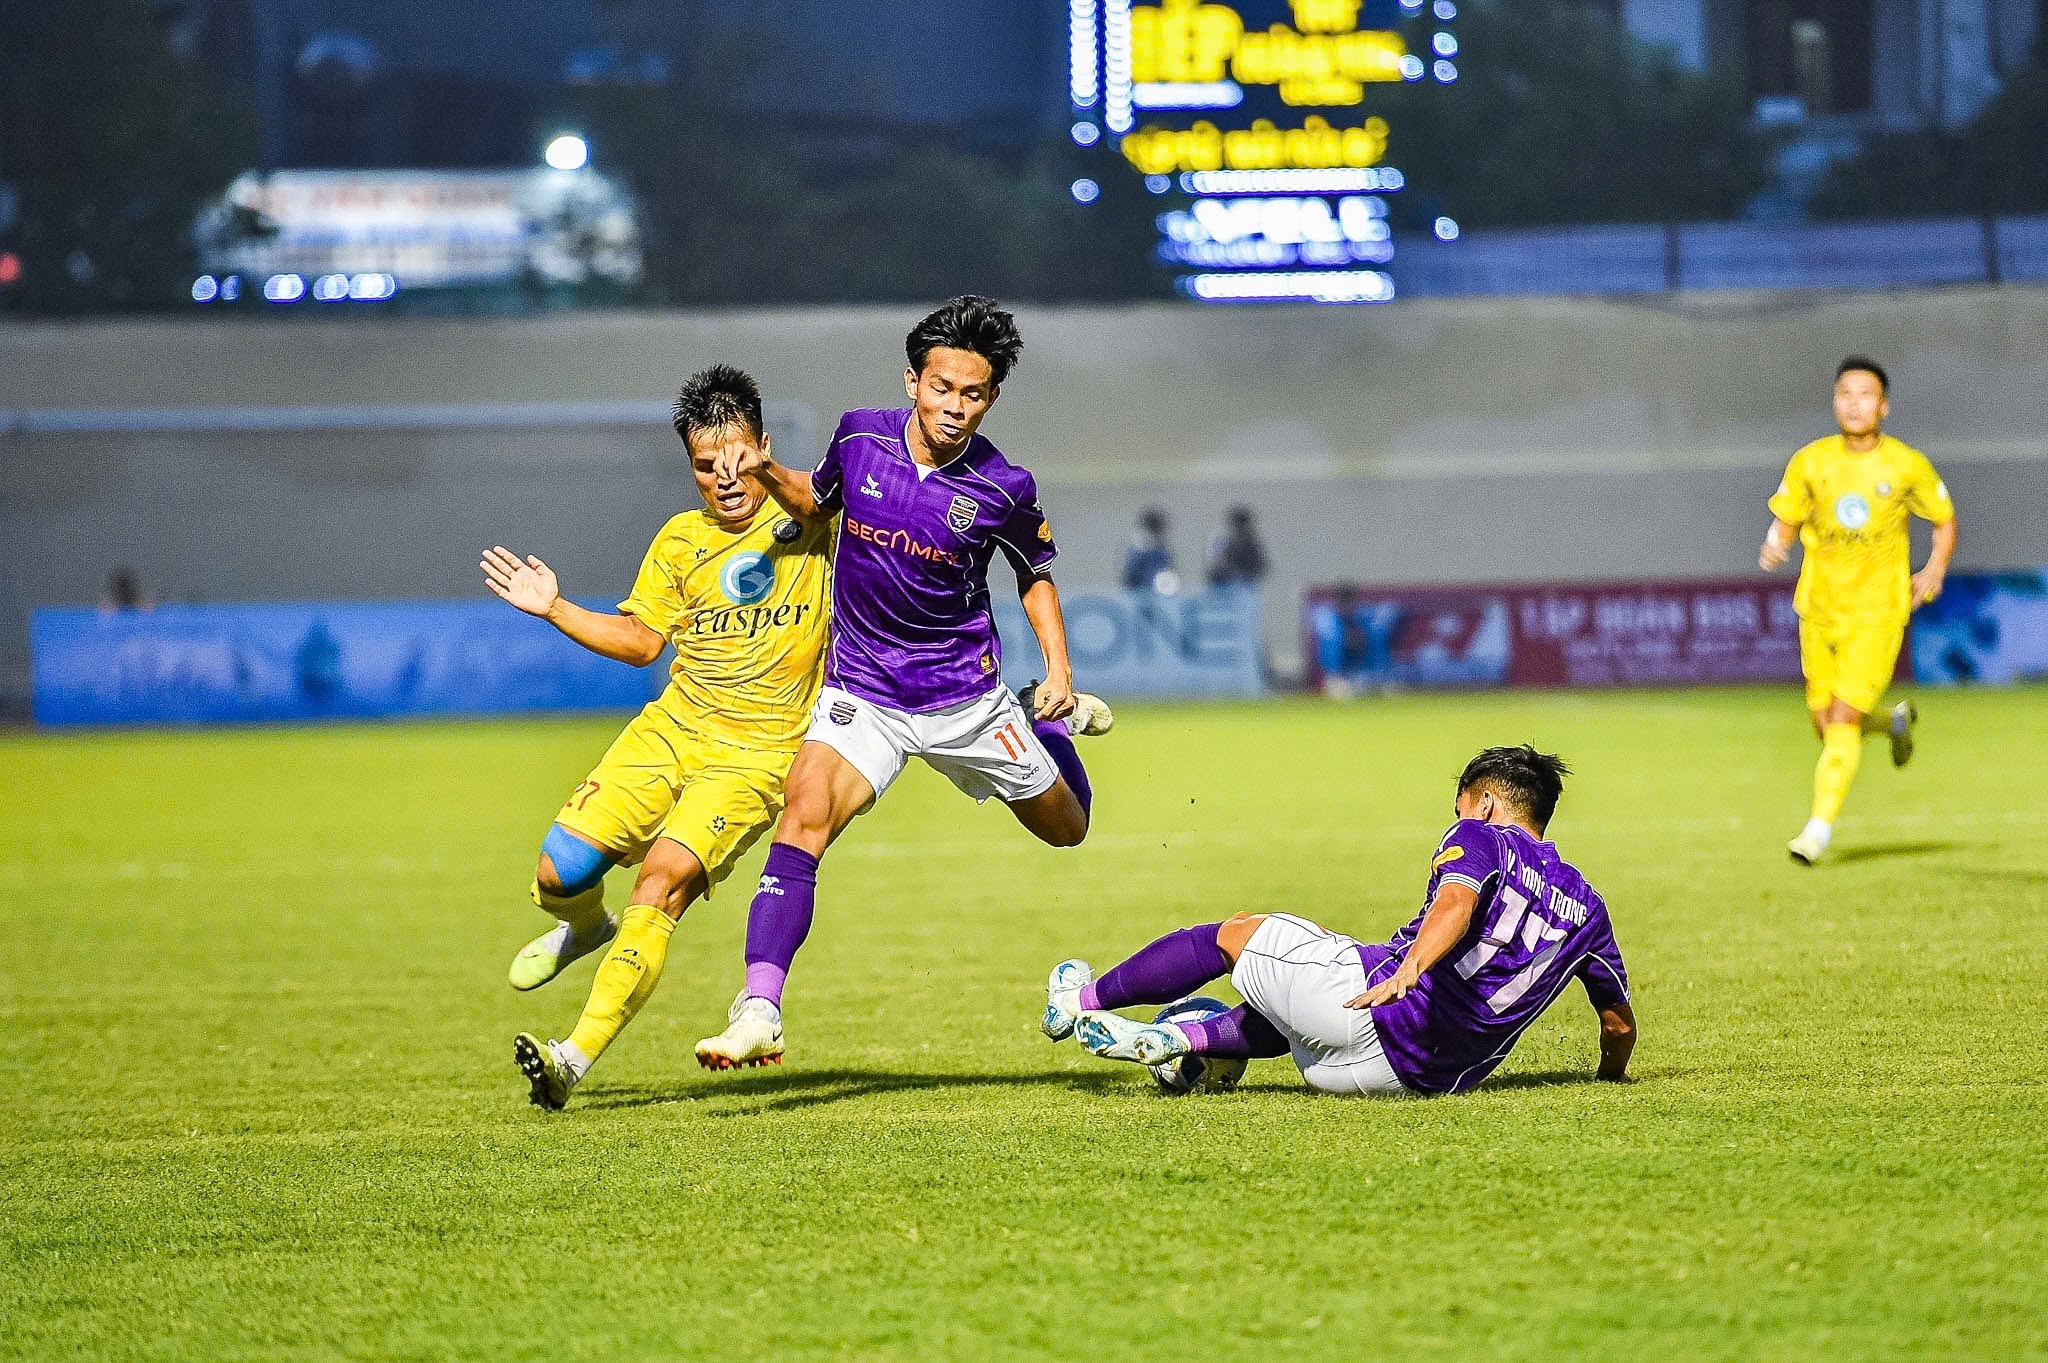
pixel 960 515
pixel 1884 489
pixel 786 531
pixel 1852 512
pixel 841 712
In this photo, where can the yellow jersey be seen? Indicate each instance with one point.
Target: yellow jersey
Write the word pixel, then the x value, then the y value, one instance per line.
pixel 1851 512
pixel 745 610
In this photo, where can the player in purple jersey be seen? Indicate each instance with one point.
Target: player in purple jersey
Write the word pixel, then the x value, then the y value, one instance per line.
pixel 1507 925
pixel 914 667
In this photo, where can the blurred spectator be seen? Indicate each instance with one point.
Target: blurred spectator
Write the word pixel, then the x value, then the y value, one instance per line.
pixel 1148 567
pixel 124 592
pixel 1236 558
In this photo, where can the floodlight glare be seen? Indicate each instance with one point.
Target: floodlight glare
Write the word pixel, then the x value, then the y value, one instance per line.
pixel 568 152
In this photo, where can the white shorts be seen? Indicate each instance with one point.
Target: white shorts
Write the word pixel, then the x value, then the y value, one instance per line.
pixel 1300 976
pixel 985 746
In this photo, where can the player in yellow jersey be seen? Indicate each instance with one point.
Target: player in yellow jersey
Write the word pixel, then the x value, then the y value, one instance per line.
pixel 740 589
pixel 1846 498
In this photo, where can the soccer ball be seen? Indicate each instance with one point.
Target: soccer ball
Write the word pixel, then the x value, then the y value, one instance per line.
pixel 1196 1073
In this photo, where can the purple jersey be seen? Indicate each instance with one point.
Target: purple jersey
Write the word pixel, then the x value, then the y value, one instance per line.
pixel 1538 926
pixel 911 625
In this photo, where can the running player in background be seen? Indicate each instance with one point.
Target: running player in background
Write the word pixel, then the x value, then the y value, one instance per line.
pixel 1507 924
pixel 1846 498
pixel 915 667
pixel 740 589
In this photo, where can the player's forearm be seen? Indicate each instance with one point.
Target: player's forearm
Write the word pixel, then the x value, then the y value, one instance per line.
pixel 621 638
pixel 1450 913
pixel 791 489
pixel 1041 601
pixel 1944 547
pixel 1617 1041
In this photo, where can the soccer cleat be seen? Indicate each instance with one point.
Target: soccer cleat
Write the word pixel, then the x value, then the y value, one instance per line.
pixel 547 1078
pixel 1063 998
pixel 1111 1036
pixel 1810 846
pixel 549 954
pixel 1090 718
pixel 752 1036
pixel 1904 716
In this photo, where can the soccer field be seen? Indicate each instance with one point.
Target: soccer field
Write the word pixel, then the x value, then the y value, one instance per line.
pixel 261 1103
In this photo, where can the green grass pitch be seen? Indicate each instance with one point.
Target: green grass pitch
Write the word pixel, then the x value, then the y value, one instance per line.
pixel 259 1100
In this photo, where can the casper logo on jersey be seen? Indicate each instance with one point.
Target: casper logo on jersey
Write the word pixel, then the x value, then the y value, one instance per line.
pixel 1852 512
pixel 960 515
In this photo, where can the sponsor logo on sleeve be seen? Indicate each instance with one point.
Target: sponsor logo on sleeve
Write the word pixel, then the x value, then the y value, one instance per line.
pixel 960 515
pixel 1446 857
pixel 1045 531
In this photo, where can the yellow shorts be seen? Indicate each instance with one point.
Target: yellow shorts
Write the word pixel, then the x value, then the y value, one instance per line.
pixel 1849 660
pixel 659 780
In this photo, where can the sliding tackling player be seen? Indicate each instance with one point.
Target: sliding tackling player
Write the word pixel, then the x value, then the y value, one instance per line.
pixel 740 589
pixel 1846 498
pixel 1507 924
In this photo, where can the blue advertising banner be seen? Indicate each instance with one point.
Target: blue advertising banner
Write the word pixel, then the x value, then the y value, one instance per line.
pixel 1140 644
pixel 300 661
pixel 1984 627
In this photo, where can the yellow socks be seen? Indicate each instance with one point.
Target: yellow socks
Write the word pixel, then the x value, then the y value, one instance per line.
pixel 624 981
pixel 1841 750
pixel 584 913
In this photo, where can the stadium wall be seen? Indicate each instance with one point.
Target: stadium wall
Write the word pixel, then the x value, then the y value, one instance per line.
pixel 1438 441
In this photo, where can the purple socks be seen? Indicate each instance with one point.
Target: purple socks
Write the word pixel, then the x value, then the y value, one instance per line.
pixel 1239 1032
pixel 1172 967
pixel 779 919
pixel 1053 734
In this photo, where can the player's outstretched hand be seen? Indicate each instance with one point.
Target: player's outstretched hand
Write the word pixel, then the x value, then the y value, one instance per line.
pixel 528 584
pixel 737 460
pixel 1054 699
pixel 1926 585
pixel 1395 986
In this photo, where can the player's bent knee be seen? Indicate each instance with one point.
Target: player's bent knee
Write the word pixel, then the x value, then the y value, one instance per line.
pixel 569 865
pixel 671 878
pixel 1236 932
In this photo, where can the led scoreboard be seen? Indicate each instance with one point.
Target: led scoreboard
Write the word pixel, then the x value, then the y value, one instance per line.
pixel 1254 124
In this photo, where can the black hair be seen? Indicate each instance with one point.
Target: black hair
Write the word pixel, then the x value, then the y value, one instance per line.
pixel 971 323
pixel 1864 364
pixel 1527 780
pixel 715 398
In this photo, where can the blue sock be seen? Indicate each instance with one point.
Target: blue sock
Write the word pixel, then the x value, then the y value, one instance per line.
pixel 1053 734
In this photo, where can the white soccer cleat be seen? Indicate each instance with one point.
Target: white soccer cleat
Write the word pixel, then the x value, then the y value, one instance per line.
pixel 548 1078
pixel 1063 998
pixel 752 1036
pixel 549 954
pixel 1090 717
pixel 1904 716
pixel 1112 1036
pixel 1812 843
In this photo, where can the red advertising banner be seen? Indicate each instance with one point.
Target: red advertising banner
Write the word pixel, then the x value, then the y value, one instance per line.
pixel 1561 634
